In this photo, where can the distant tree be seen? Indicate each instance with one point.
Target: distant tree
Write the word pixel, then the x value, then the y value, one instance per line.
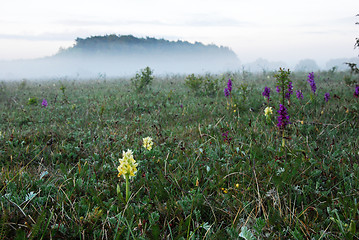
pixel 307 65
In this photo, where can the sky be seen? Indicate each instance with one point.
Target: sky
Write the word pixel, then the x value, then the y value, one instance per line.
pixel 277 30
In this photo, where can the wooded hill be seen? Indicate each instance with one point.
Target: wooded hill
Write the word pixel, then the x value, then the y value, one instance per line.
pixel 128 44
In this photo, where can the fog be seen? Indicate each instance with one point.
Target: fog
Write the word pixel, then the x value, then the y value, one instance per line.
pixel 123 56
pixel 113 66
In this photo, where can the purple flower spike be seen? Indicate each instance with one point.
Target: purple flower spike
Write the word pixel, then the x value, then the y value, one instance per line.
pixel 228 89
pixel 299 94
pixel 266 92
pixel 229 85
pixel 312 82
pixel 226 92
pixel 356 93
pixel 326 97
pixel 283 118
pixel 44 103
pixel 277 89
pixel 290 91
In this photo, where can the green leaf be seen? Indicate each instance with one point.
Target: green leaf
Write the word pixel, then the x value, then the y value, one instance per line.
pixel 246 234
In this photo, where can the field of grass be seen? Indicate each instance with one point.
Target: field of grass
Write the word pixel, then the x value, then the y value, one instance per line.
pixel 219 168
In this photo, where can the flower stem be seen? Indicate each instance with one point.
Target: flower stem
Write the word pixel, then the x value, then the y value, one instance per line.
pixel 283 139
pixel 127 187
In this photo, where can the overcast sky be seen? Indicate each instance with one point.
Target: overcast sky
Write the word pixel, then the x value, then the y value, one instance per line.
pixel 277 30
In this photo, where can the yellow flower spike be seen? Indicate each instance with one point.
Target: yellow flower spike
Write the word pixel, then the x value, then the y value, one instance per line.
pixel 268 111
pixel 147 143
pixel 128 165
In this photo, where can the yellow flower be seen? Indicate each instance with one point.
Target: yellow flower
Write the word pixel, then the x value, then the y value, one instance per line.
pixel 268 111
pixel 127 164
pixel 237 185
pixel 147 143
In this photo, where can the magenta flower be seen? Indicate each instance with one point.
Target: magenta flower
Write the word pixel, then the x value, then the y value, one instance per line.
pixel 283 118
pixel 312 82
pixel 229 85
pixel 44 103
pixel 290 91
pixel 266 92
pixel 356 93
pixel 225 136
pixel 326 97
pixel 226 92
pixel 228 89
pixel 299 94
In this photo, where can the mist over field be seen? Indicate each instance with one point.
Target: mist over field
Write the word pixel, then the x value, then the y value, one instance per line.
pixel 112 66
pixel 122 56
pixel 114 56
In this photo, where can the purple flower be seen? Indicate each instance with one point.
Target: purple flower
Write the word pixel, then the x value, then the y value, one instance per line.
pixel 228 89
pixel 229 85
pixel 277 89
pixel 326 97
pixel 266 92
pixel 181 105
pixel 290 91
pixel 283 118
pixel 312 82
pixel 44 103
pixel 226 92
pixel 225 135
pixel 299 94
pixel 356 93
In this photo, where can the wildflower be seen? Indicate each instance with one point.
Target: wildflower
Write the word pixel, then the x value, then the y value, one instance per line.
pixel 277 89
pixel 268 111
pixel 283 118
pixel 44 103
pixel 226 92
pixel 299 94
pixel 229 85
pixel 147 143
pixel 290 91
pixel 312 82
pixel 225 135
pixel 326 97
pixel 356 93
pixel 266 92
pixel 127 165
pixel 228 89
pixel 237 185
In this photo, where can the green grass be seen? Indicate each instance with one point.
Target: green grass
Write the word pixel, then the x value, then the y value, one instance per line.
pixel 59 163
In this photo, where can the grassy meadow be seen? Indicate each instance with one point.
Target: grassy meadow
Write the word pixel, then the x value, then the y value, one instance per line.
pixel 218 169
